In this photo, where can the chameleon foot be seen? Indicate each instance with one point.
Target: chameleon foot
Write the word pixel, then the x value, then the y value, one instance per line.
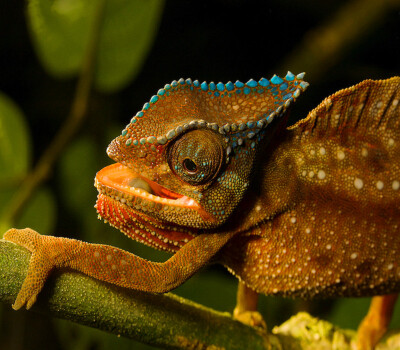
pixel 375 324
pixel 40 265
pixel 246 307
pixel 251 318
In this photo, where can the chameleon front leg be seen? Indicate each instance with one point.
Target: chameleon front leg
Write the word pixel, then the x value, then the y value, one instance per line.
pixel 376 323
pixel 108 263
pixel 246 307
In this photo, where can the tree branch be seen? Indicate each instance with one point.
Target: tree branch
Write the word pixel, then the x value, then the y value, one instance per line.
pixel 166 320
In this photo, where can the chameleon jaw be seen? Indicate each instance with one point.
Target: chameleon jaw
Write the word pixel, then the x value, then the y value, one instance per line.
pixel 124 185
pixel 123 207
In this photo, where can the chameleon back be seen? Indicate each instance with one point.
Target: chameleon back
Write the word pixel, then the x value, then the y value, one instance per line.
pixel 328 206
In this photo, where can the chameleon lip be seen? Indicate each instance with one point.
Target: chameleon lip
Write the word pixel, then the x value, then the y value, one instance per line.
pixel 116 179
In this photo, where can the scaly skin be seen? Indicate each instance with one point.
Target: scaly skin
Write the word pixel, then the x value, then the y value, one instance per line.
pixel 210 173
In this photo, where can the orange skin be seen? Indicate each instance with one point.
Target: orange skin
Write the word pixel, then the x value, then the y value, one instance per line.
pixel 312 210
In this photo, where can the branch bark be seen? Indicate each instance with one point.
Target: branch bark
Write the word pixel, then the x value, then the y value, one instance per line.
pixel 166 320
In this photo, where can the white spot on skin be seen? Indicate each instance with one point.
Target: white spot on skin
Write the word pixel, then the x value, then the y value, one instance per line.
pixel 308 230
pixel 108 257
pixel 328 246
pixel 322 151
pixel 113 267
pixel 358 183
pixel 336 116
pixel 96 254
pixel 390 142
pixel 379 104
pixel 379 185
pixel 390 266
pixel 353 256
pixel 311 174
pixel 312 152
pixel 293 220
pixel 340 155
pixel 321 174
pixel 364 152
pixel 304 173
pixel 395 185
pixel 395 102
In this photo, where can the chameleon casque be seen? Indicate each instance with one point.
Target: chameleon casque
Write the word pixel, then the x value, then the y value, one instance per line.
pixel 211 173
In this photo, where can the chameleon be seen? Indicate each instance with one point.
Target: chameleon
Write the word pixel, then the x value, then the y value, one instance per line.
pixel 211 173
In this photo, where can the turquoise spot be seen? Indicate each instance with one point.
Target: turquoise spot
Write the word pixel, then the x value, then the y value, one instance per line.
pixel 161 92
pixel 189 81
pixel 238 91
pixel 142 140
pixel 263 82
pixel 301 75
pixel 196 83
pixel 304 84
pixel 287 96
pixel 204 86
pixel 174 83
pixel 250 124
pixel 220 87
pixel 260 91
pixel 167 87
pixel 139 114
pixel 229 86
pixel 212 86
pixel 216 93
pixel 181 81
pixel 283 86
pixel 154 99
pixel 251 83
pixel 135 142
pixel 246 90
pixel 133 120
pixel 289 76
pixel 146 106
pixel 276 80
pixel 124 132
pixel 128 142
pixel 239 84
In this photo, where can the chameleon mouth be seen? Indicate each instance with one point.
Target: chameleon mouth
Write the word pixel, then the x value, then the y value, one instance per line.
pixel 121 183
pixel 126 199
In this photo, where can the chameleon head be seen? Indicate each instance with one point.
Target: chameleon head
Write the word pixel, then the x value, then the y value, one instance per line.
pixel 185 160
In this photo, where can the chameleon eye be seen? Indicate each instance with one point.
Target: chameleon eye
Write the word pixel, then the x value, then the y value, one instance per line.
pixel 197 156
pixel 189 165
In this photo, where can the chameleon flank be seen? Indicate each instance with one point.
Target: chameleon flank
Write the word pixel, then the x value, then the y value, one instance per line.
pixel 211 173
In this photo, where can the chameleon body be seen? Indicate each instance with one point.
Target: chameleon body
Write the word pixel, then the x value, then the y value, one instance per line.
pixel 210 173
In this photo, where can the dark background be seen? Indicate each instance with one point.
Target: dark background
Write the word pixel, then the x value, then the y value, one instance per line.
pixel 217 40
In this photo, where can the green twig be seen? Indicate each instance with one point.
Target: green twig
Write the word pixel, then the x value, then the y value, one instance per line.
pixel 166 321
pixel 72 123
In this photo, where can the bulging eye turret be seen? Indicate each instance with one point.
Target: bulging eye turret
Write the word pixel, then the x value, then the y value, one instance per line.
pixel 197 156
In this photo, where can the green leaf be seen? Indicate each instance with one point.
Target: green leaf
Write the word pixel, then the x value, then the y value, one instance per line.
pixel 78 167
pixel 62 30
pixel 14 141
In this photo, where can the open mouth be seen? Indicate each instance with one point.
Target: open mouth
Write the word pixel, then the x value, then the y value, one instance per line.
pixel 119 181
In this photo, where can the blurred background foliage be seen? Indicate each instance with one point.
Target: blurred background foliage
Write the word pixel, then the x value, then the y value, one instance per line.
pixel 139 46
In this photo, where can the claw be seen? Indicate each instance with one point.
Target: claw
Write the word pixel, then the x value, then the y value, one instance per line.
pixel 39 266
